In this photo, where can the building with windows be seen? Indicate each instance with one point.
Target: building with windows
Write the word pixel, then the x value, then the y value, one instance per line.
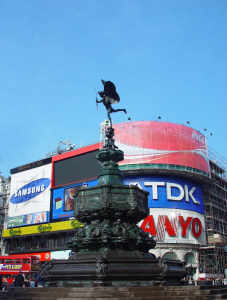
pixel 212 256
pixel 4 199
pixel 185 178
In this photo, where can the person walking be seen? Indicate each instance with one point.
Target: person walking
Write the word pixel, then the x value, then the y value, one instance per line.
pixel 225 272
pixel 19 279
pixel 32 282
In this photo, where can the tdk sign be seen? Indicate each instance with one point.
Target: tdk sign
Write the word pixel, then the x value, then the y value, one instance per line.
pixel 30 190
pixel 183 192
pixel 170 192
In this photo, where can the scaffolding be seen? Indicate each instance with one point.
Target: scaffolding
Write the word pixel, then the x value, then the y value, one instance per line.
pixel 213 257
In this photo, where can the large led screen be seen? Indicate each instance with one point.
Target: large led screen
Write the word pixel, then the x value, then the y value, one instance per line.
pixel 76 168
pixel 30 197
pixel 63 201
pixel 170 192
pixel 149 142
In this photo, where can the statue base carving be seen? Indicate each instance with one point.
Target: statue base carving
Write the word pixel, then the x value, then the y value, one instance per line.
pixel 113 270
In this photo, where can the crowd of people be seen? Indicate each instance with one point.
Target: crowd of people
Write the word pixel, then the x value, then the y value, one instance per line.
pixel 20 281
pixel 204 281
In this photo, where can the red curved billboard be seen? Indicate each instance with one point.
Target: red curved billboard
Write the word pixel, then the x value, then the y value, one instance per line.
pixel 162 143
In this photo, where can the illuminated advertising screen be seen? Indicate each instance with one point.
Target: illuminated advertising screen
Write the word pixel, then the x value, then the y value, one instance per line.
pixel 30 197
pixel 150 142
pixel 170 192
pixel 63 201
pixel 176 208
pixel 175 226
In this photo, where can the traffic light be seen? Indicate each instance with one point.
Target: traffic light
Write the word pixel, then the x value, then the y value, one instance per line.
pixel 106 122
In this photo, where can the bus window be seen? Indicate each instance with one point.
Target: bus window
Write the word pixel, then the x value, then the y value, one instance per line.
pixel 17 261
pixel 13 276
pixel 2 261
pixel 7 276
pixel 8 261
pixel 26 261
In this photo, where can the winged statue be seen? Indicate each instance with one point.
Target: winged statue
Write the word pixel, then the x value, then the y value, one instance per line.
pixel 109 97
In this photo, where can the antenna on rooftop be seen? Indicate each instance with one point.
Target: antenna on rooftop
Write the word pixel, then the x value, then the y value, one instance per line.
pixel 62 146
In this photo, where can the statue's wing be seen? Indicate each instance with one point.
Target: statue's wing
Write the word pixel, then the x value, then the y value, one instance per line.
pixel 110 91
pixel 109 87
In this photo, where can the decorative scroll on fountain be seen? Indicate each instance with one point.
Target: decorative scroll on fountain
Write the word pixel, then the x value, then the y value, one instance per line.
pixel 111 249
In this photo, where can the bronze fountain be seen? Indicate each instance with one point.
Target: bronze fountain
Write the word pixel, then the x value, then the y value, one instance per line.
pixel 111 249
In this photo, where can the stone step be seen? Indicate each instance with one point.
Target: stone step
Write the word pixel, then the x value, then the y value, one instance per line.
pixel 125 298
pixel 149 298
pixel 119 289
pixel 117 293
pixel 108 292
pixel 114 296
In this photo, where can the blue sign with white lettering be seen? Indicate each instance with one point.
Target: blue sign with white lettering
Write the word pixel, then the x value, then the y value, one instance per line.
pixel 170 192
pixel 30 190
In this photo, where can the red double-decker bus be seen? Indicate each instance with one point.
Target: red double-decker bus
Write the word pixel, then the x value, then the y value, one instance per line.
pixel 11 265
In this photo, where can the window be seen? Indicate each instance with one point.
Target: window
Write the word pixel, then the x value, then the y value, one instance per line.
pixel 35 244
pixel 59 241
pixel 26 261
pixel 17 261
pixel 21 244
pixel 2 261
pixel 43 243
pixel 9 261
pixel 7 276
pixel 13 245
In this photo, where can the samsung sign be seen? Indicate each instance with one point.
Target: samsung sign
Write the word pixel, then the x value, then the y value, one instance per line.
pixel 30 190
pixel 170 192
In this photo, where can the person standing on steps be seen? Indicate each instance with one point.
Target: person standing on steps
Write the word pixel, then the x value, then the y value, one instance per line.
pixel 19 280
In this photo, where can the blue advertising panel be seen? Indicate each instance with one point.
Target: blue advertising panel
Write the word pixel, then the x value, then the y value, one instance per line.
pixel 63 201
pixel 170 192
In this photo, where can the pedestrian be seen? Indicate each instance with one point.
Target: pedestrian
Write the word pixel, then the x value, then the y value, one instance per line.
pixel 37 278
pixel 19 279
pixel 219 281
pixel 32 282
pixel 225 273
pixel 0 282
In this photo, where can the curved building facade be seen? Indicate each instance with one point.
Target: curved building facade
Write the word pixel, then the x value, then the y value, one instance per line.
pixel 171 162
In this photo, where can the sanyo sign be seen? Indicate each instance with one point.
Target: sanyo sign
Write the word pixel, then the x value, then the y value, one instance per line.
pixel 170 192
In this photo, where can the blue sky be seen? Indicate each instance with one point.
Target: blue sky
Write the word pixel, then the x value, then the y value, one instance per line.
pixel 167 58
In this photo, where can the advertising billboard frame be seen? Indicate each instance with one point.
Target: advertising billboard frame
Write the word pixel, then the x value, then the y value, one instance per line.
pixel 30 195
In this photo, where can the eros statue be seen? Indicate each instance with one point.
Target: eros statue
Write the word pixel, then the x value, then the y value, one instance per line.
pixel 109 96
